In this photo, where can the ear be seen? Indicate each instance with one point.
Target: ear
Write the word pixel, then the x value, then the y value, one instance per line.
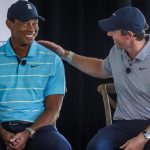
pixel 9 24
pixel 131 34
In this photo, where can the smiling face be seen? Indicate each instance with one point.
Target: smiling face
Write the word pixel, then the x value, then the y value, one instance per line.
pixel 23 33
pixel 121 41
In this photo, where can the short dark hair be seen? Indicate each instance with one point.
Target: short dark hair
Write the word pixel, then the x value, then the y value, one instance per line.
pixel 139 36
pixel 11 19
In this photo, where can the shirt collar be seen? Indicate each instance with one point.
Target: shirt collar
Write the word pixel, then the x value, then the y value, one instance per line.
pixel 142 53
pixel 10 52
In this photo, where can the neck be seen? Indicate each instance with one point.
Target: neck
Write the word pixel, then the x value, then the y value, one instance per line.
pixel 20 49
pixel 21 53
pixel 136 48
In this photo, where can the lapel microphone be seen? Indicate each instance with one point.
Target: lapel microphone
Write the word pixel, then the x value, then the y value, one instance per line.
pixel 128 70
pixel 22 62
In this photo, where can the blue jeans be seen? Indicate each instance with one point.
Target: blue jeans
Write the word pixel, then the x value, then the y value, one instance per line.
pixel 113 136
pixel 46 138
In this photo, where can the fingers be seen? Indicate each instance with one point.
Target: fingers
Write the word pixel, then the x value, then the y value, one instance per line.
pixel 48 44
pixel 53 46
pixel 44 42
pixel 13 142
pixel 15 139
pixel 10 147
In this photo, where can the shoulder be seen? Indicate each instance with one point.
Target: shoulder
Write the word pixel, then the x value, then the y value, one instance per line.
pixel 115 51
pixel 4 46
pixel 45 51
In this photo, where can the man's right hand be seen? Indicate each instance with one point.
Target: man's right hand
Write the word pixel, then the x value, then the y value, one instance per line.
pixel 19 140
pixel 54 47
pixel 6 136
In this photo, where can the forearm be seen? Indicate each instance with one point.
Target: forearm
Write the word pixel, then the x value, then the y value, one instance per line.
pixel 53 105
pixel 88 65
pixel 47 118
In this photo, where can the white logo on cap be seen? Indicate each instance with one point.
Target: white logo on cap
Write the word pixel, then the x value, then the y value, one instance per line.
pixel 114 14
pixel 29 6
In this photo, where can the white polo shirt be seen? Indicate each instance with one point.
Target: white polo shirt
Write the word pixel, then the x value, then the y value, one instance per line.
pixel 133 88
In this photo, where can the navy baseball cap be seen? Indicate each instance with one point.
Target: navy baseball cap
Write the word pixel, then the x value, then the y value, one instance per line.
pixel 23 10
pixel 126 18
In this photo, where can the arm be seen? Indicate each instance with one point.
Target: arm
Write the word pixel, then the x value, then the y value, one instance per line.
pixel 53 105
pixel 137 142
pixel 88 65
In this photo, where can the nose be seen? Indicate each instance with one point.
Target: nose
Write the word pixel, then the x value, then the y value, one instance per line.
pixel 31 27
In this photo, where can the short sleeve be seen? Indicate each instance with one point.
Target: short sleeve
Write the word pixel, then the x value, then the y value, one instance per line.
pixel 56 83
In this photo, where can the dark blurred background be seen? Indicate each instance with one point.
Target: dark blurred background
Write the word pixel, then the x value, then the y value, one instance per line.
pixel 73 25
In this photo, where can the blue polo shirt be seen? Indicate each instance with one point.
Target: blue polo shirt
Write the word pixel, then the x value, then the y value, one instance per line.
pixel 133 88
pixel 23 87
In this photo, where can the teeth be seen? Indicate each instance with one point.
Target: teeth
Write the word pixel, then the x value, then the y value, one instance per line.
pixel 30 36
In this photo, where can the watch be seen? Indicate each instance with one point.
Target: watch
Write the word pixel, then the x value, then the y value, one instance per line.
pixel 31 131
pixel 146 134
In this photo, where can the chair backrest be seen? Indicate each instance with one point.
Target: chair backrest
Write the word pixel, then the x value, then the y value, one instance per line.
pixel 107 90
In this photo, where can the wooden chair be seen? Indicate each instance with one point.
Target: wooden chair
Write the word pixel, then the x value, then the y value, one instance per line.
pixel 108 91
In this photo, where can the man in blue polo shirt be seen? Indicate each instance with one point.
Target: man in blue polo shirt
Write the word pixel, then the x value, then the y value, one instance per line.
pixel 32 86
pixel 129 64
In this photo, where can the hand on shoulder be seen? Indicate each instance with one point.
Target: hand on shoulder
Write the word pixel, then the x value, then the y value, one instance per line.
pixel 53 46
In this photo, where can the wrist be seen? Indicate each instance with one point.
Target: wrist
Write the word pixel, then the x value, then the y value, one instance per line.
pixel 142 139
pixel 68 56
pixel 30 131
pixel 65 54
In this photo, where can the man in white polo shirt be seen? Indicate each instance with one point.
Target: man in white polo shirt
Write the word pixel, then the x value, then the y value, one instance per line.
pixel 129 64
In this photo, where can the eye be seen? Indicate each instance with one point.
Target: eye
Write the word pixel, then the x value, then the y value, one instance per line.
pixel 26 23
pixel 35 24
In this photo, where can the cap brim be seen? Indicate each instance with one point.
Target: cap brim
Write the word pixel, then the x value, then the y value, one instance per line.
pixel 108 24
pixel 41 18
pixel 24 19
